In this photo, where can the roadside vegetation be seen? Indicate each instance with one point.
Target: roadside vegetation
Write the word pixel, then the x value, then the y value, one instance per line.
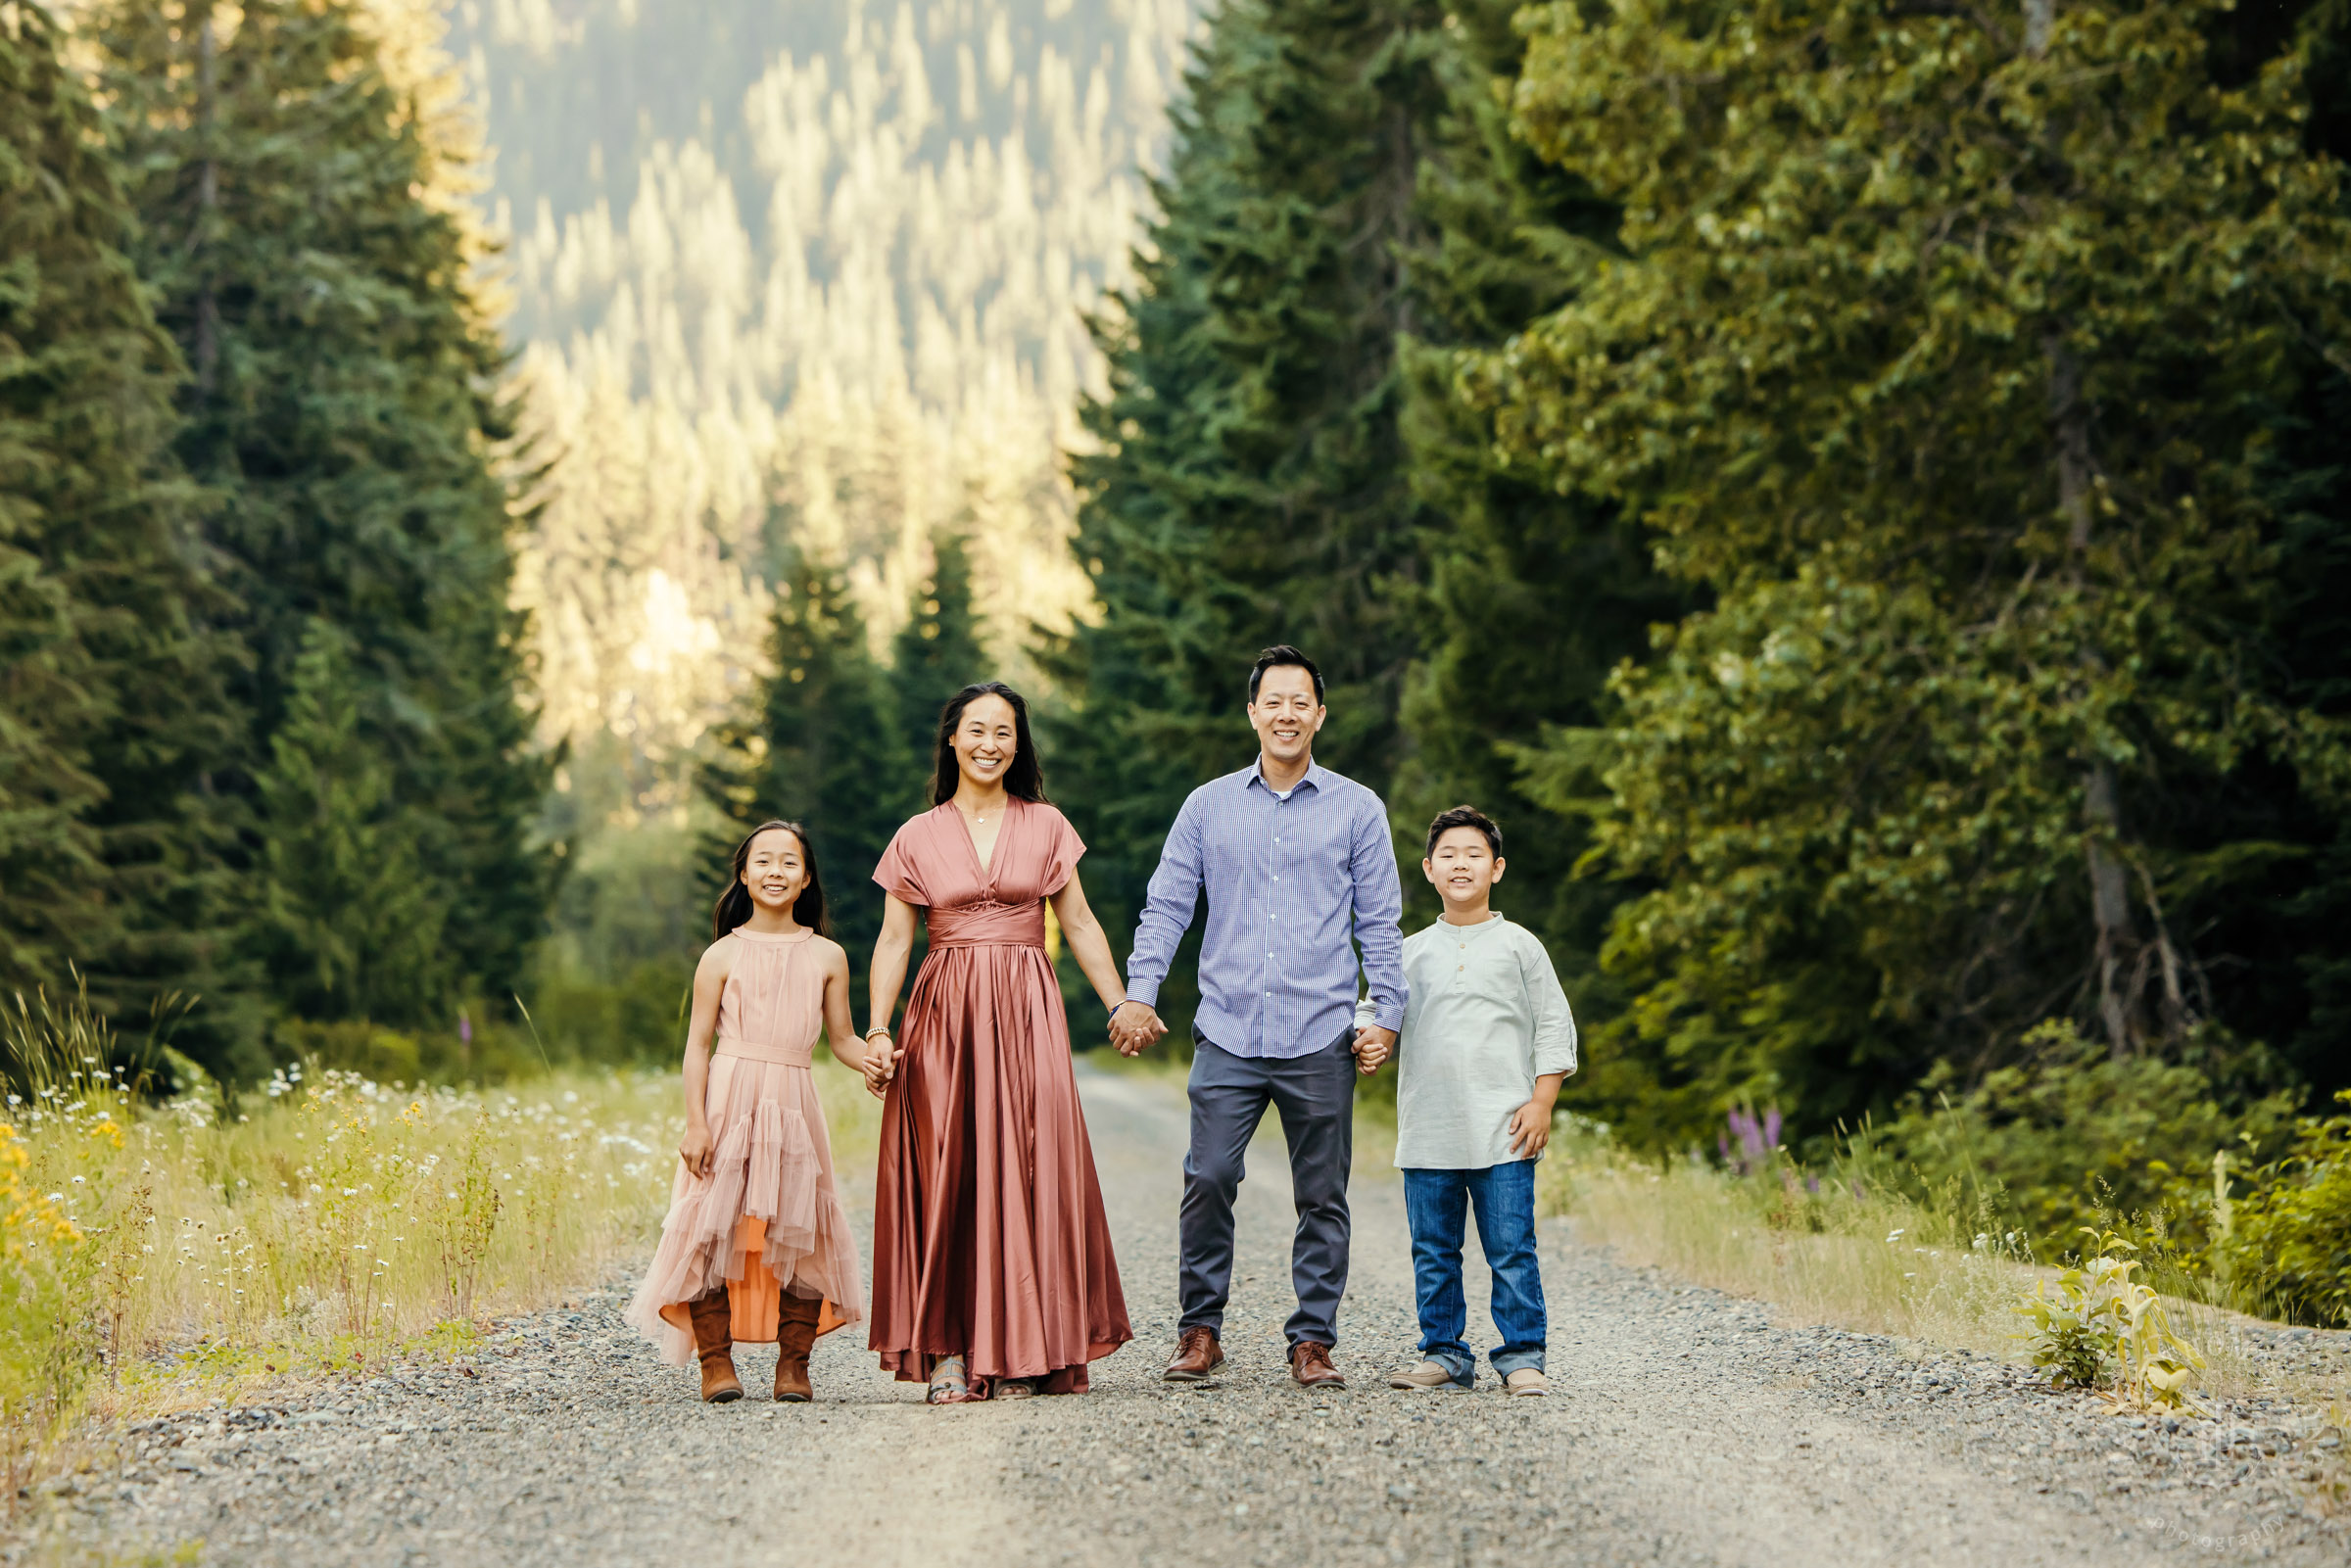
pixel 163 1242
pixel 2149 1305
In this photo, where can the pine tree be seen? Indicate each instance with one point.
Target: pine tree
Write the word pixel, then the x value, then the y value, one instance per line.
pixel 351 923
pixel 1531 596
pixel 1248 482
pixel 113 709
pixel 1976 448
pixel 822 746
pixel 937 653
pixel 343 417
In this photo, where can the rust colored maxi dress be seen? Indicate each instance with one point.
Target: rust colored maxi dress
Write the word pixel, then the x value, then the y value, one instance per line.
pixel 990 1239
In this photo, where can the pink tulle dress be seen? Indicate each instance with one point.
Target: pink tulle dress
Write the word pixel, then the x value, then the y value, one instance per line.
pixel 767 1221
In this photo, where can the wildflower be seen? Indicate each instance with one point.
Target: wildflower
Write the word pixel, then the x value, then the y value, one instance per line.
pixel 1894 1236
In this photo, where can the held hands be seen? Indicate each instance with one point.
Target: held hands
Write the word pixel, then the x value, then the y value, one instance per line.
pixel 1134 1027
pixel 1530 1129
pixel 881 1062
pixel 1372 1047
pixel 697 1150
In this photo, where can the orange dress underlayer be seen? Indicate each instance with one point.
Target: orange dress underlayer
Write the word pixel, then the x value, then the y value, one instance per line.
pixel 767 1221
pixel 989 1237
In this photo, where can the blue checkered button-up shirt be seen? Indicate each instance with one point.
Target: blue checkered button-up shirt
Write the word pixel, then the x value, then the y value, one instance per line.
pixel 1293 884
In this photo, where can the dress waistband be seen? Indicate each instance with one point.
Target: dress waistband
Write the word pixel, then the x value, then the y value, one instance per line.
pixel 789 1056
pixel 990 925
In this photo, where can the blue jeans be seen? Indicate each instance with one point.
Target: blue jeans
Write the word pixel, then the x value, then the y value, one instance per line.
pixel 1504 1199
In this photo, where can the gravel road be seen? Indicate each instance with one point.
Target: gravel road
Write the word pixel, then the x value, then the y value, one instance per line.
pixel 1686 1428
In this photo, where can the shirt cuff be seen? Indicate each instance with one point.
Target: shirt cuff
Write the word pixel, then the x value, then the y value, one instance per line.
pixel 1390 1017
pixel 1146 991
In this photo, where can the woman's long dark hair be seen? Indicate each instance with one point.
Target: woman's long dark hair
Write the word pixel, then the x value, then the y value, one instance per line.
pixel 1023 781
pixel 734 904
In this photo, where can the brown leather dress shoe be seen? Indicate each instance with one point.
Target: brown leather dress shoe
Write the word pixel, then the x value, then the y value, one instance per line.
pixel 714 1343
pixel 796 1335
pixel 1309 1364
pixel 1197 1356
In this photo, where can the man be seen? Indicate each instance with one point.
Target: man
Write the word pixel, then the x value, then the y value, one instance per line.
pixel 1298 867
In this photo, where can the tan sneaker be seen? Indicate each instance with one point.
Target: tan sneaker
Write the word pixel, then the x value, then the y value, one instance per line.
pixel 1526 1381
pixel 1428 1375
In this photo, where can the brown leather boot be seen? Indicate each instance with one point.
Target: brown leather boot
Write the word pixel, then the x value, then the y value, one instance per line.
pixel 795 1336
pixel 714 1341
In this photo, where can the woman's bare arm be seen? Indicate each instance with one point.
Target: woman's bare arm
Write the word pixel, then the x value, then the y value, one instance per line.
pixel 1088 943
pixel 891 949
pixel 709 980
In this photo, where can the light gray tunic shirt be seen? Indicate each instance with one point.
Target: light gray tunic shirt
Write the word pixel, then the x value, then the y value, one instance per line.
pixel 1487 1017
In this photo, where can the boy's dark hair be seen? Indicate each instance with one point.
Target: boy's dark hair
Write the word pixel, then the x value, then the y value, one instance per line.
pixel 1278 654
pixel 1464 817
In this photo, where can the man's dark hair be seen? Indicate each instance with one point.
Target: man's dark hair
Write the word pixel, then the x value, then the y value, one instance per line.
pixel 1278 654
pixel 1464 817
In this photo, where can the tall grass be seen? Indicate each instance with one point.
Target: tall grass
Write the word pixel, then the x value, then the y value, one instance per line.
pixel 1839 1247
pixel 1852 1246
pixel 152 1253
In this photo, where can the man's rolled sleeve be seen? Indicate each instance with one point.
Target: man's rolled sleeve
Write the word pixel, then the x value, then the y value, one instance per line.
pixel 1379 918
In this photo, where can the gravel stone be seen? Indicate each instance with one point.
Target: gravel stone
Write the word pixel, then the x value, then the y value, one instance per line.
pixel 1684 1427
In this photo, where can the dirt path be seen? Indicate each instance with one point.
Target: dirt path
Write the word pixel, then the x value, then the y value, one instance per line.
pixel 1686 1430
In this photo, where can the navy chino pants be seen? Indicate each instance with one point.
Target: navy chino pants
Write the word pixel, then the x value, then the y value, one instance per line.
pixel 1316 1096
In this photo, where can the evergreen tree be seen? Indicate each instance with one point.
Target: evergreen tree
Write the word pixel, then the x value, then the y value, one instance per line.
pixel 937 653
pixel 1248 482
pixel 1531 596
pixel 344 417
pixel 351 923
pixel 823 747
pixel 112 708
pixel 1951 355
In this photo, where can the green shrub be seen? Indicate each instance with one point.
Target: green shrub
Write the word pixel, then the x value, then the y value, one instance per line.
pixel 2074 1139
pixel 469 1051
pixel 639 1018
pixel 2289 1240
pixel 2100 1328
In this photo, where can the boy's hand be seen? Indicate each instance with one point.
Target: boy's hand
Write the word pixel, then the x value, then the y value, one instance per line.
pixel 1530 1126
pixel 1373 1046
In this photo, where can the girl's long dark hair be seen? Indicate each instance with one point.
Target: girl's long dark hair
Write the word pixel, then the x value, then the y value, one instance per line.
pixel 735 903
pixel 1023 781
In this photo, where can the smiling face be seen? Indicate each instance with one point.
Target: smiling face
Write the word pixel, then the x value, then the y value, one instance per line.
pixel 986 738
pixel 1463 869
pixel 776 870
pixel 1286 714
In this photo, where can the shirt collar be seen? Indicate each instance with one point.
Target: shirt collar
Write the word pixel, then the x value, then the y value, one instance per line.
pixel 1316 773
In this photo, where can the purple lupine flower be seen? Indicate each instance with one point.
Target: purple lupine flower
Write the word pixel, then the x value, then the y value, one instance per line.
pixel 464 1027
pixel 1771 1128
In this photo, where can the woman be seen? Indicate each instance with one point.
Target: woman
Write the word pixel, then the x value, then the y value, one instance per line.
pixel 993 1268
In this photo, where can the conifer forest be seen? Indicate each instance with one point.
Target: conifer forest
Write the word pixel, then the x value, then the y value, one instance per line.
pixel 1857 488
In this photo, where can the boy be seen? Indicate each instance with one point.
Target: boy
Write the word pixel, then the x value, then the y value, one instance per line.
pixel 1487 1041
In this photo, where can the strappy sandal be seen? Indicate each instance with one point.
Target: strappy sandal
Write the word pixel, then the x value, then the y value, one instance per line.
pixel 1014 1387
pixel 949 1385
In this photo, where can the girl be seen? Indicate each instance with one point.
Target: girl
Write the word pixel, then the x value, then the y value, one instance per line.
pixel 756 1246
pixel 993 1268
